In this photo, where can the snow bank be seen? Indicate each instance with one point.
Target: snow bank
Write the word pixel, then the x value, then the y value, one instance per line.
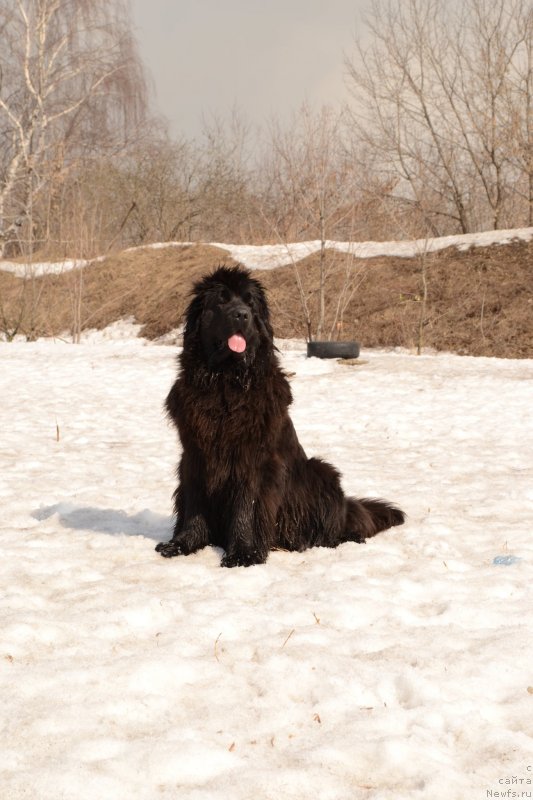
pixel 36 270
pixel 270 256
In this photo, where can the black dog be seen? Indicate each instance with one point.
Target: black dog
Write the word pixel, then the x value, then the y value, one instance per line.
pixel 245 483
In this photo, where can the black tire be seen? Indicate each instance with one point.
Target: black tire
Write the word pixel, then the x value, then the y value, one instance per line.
pixel 333 349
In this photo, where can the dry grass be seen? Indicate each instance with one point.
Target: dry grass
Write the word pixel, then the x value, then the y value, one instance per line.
pixel 480 301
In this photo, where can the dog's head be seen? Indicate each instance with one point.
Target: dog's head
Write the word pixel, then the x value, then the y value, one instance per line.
pixel 228 320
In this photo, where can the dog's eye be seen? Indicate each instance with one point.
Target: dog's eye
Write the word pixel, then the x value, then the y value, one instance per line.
pixel 248 298
pixel 224 296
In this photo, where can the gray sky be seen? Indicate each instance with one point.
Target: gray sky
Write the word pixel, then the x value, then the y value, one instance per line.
pixel 266 57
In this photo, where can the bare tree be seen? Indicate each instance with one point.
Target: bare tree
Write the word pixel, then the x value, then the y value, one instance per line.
pixel 71 84
pixel 521 109
pixel 151 195
pixel 433 94
pixel 224 178
pixel 311 191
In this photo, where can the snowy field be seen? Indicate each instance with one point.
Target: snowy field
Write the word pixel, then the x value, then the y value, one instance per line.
pixel 402 668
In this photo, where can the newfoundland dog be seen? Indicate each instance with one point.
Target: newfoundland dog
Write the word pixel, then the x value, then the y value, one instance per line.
pixel 245 483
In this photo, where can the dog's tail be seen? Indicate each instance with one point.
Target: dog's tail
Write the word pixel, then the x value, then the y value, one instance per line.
pixel 366 517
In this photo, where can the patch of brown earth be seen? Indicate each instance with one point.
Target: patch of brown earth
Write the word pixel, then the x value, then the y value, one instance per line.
pixel 479 301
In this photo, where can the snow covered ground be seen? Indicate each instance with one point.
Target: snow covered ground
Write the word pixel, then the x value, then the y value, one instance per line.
pixel 270 256
pixel 398 669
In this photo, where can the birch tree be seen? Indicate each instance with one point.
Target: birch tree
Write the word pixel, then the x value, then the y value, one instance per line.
pixel 71 86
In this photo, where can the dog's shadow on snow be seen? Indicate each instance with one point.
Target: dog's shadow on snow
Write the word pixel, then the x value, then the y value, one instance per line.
pixel 108 520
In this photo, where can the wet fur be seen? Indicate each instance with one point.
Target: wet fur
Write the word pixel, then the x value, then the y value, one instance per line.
pixel 245 483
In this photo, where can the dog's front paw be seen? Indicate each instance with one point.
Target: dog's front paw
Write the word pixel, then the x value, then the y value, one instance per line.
pixel 243 558
pixel 170 549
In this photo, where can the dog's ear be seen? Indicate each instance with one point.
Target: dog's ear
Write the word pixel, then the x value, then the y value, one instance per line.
pixel 266 328
pixel 263 316
pixel 193 318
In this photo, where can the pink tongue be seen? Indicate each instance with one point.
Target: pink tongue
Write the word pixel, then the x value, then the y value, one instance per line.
pixel 237 343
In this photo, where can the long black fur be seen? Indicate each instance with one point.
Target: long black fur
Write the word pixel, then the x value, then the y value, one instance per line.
pixel 245 483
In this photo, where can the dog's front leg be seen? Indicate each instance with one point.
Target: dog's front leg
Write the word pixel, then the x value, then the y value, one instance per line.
pixel 247 538
pixel 194 536
pixel 191 532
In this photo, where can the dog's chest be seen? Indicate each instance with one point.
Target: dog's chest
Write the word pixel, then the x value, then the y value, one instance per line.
pixel 228 420
pixel 233 440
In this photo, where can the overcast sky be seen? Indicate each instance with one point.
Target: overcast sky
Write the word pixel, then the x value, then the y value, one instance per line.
pixel 265 57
